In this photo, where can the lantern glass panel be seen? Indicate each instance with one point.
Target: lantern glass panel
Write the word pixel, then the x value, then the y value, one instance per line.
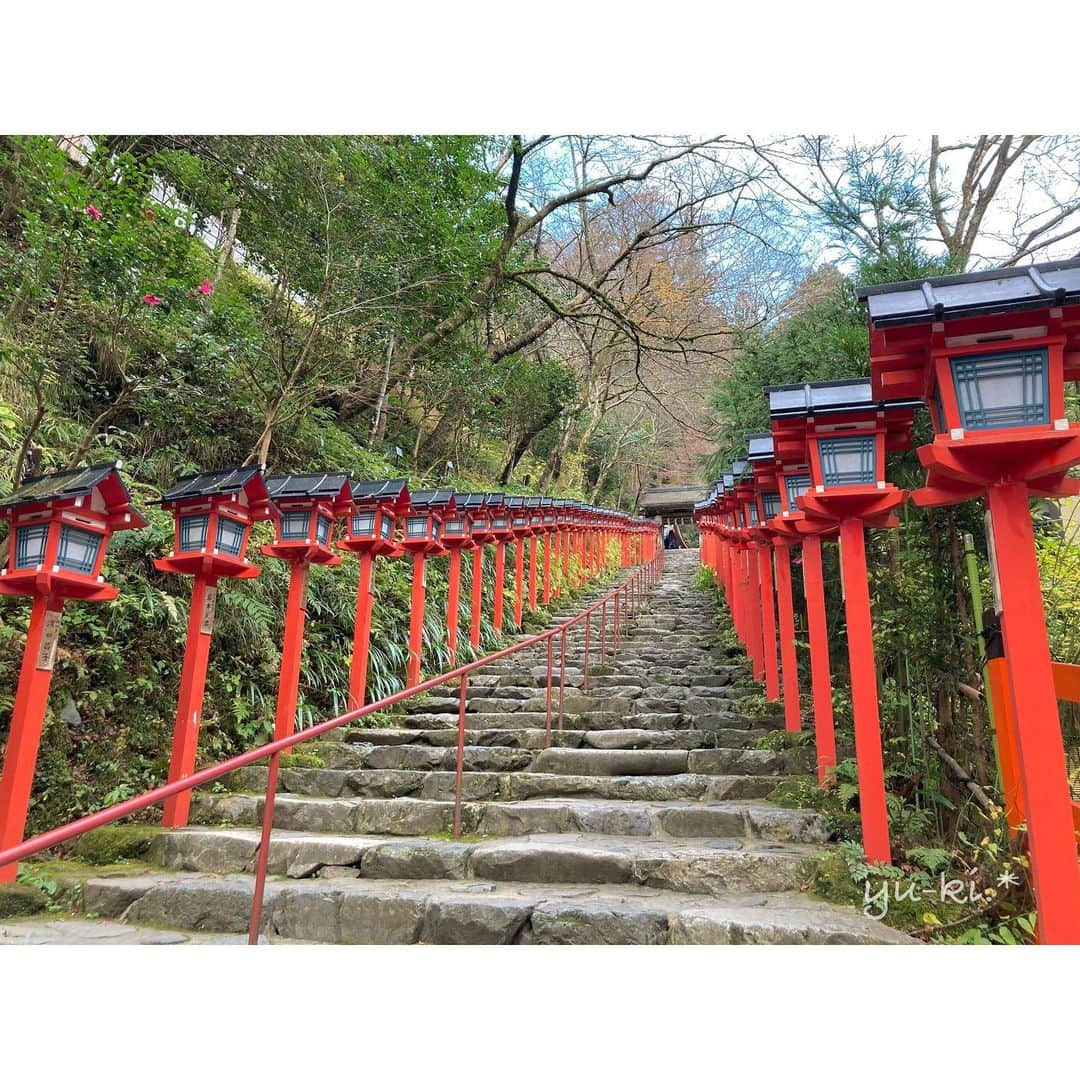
pixel 230 536
pixel 770 502
pixel 386 525
pixel 499 523
pixel 193 530
pixel 416 526
pixel 848 460
pixel 30 545
pixel 78 549
pixel 1002 390
pixel 753 514
pixel 295 524
pixel 322 529
pixel 796 486
pixel 363 524
pixel 455 527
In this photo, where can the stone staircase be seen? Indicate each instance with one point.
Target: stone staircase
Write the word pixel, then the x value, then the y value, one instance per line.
pixel 644 822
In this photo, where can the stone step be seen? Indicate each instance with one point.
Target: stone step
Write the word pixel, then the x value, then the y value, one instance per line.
pixel 439 785
pixel 394 911
pixel 408 816
pixel 623 738
pixel 692 866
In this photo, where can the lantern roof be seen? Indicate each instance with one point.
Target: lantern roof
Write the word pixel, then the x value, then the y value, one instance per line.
pixel 219 482
pixel 475 500
pixel 988 292
pixel 333 487
pixel 496 500
pixel 546 500
pixel 760 447
pixel 440 499
pixel 533 501
pixel 836 396
pixel 72 483
pixel 516 502
pixel 382 491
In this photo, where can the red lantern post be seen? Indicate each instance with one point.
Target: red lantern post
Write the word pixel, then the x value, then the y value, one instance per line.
pixel 456 537
pixel 502 533
pixel 370 533
pixel 764 506
pixel 476 507
pixel 536 527
pixel 991 353
pixel 520 526
pixel 306 507
pixel 60 526
pixel 214 513
pixel 422 537
pixel 550 535
pixel 843 434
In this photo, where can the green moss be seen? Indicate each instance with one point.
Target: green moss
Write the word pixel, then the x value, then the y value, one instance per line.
pixel 302 759
pixel 18 899
pixel 784 740
pixel 114 843
pixel 831 880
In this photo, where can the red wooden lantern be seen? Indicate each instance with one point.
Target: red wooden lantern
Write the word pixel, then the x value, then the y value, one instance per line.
pixel 843 434
pixel 306 507
pixel 60 526
pixel 376 505
pixel 423 537
pixel 991 353
pixel 214 513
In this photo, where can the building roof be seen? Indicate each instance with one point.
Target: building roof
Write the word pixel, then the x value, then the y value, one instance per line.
pixel 939 299
pixel 68 484
pixel 661 499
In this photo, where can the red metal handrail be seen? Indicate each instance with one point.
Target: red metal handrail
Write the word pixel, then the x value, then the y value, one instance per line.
pixel 644 576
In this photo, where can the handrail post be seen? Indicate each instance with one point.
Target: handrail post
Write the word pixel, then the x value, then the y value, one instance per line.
pixel 603 632
pixel 562 676
pixel 547 698
pixel 264 850
pixel 459 769
pixel 588 621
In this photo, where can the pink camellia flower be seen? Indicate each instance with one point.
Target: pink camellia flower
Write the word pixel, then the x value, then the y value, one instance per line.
pixel 93 212
pixel 206 288
pixel 151 300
